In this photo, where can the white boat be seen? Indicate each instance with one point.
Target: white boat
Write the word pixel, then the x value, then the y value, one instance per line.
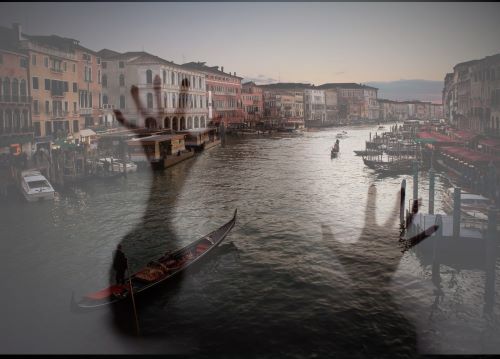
pixel 35 186
pixel 117 164
pixel 472 206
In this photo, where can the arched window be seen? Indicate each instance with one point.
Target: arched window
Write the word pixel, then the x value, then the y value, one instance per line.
pixel 173 78
pixel 173 101
pixel 178 78
pixel 104 80
pixel 6 88
pixel 190 101
pixel 190 123
pixel 22 88
pixel 8 121
pixel 199 82
pixel 26 121
pixel 150 100
pixel 149 77
pixel 164 77
pixel 15 90
pixel 165 101
pixel 122 80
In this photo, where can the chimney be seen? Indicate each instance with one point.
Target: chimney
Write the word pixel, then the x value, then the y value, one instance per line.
pixel 17 28
pixel 222 68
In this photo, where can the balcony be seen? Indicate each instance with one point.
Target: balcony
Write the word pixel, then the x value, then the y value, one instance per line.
pixel 20 100
pixel 57 115
pixel 85 111
pixel 17 131
pixel 59 71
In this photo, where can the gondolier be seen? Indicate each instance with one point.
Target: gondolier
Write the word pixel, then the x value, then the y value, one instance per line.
pixel 120 265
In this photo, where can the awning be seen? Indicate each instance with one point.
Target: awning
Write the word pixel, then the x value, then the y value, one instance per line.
pixel 87 132
pixel 470 156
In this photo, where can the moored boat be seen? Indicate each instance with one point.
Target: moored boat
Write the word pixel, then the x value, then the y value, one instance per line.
pixel 156 272
pixel 368 153
pixel 34 186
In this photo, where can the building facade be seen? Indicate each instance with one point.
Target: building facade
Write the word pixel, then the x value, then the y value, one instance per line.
pixel 16 129
pixel 356 102
pixel 284 103
pixel 253 103
pixel 224 93
pixel 183 98
pixel 314 107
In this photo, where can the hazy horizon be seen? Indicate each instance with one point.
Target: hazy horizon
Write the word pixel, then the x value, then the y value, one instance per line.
pixel 287 42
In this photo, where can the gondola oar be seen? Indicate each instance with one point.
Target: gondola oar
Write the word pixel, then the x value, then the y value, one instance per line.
pixel 133 302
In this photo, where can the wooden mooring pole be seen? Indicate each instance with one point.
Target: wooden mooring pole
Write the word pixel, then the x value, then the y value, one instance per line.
pixel 436 275
pixel 431 190
pixel 402 204
pixel 456 212
pixel 491 256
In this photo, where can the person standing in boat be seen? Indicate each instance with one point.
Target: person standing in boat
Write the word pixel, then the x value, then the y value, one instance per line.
pixel 120 264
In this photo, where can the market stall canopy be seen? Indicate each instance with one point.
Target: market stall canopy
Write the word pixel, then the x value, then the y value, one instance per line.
pixel 87 133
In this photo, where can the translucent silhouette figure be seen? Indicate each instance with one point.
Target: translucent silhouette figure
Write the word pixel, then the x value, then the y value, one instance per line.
pixel 370 262
pixel 135 242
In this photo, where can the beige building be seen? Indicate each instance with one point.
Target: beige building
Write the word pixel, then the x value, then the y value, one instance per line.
pixel 183 100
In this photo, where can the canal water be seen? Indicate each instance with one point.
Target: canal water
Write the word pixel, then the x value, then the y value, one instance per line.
pixel 277 284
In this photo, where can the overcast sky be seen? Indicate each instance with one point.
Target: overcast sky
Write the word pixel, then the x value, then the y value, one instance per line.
pixel 317 43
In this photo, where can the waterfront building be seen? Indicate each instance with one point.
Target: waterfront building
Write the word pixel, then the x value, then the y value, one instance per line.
pixel 253 103
pixel 470 95
pixel 224 94
pixel 89 88
pixel 16 129
pixel 356 102
pixel 183 99
pixel 331 105
pixel 284 103
pixel 314 107
pixel 53 71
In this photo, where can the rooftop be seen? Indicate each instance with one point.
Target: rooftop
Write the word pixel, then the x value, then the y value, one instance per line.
pixel 345 85
pixel 201 66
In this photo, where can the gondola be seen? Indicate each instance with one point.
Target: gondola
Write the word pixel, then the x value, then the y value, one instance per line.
pixel 395 166
pixel 157 272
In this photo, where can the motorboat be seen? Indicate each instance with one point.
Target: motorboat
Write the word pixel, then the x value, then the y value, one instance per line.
pixel 118 164
pixel 472 205
pixel 35 186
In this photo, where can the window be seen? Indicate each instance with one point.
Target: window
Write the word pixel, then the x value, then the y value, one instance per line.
pixel 99 76
pixel 104 80
pixel 35 83
pixel 47 107
pixel 66 106
pixel 75 126
pixel 149 77
pixel 105 99
pixel 150 100
pixel 35 107
pixel 65 66
pixel 122 101
pixel 23 62
pixel 164 77
pixel 74 67
pixel 66 88
pixel 90 74
pixel 104 64
pixel 46 61
pixel 122 80
pixel 47 84
pixel 121 64
pixel 90 100
pixel 33 60
pixel 75 87
pixel 173 78
pixel 173 100
pixel 74 107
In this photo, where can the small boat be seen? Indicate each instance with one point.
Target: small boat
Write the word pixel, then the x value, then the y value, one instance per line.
pixel 381 128
pixel 118 164
pixel 342 135
pixel 335 149
pixel 157 272
pixel 35 186
pixel 395 166
pixel 472 205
